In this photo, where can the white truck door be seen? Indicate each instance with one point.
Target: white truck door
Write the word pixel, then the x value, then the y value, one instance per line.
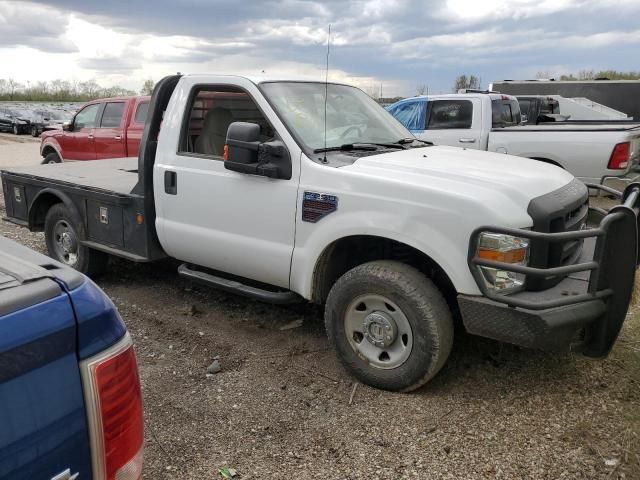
pixel 213 217
pixel 455 121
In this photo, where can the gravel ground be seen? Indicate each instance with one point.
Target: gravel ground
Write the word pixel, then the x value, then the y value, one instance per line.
pixel 19 150
pixel 280 407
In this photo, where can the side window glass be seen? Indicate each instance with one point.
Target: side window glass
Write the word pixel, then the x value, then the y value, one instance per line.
pixel 141 112
pixel 210 112
pixel 524 106
pixel 410 114
pixel 112 115
pixel 450 114
pixel 86 118
pixel 507 115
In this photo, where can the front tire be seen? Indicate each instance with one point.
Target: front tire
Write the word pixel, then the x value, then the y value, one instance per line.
pixel 51 158
pixel 389 324
pixel 63 236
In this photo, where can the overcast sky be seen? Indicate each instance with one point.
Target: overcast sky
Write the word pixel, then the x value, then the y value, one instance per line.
pixel 398 44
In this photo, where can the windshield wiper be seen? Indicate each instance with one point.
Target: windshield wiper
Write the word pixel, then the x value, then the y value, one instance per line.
pixel 346 147
pixel 405 141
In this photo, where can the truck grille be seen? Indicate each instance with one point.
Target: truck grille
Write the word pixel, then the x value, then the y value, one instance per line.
pixel 562 210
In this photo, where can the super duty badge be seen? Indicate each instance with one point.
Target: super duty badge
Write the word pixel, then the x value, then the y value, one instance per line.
pixel 316 206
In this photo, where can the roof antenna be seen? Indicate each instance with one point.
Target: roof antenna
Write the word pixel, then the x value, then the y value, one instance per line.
pixel 326 90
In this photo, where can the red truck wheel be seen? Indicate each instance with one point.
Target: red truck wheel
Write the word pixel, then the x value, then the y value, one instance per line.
pixel 51 158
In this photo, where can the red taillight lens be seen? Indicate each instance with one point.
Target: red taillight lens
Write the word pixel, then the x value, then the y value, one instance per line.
pixel 120 409
pixel 115 418
pixel 620 156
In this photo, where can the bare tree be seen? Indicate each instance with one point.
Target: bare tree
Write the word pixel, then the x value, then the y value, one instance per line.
pixel 464 81
pixel 147 87
pixel 422 89
pixel 374 92
pixel 586 75
pixel 89 89
pixel 12 86
pixel 544 74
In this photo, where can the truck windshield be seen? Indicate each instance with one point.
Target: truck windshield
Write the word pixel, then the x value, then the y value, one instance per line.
pixel 352 116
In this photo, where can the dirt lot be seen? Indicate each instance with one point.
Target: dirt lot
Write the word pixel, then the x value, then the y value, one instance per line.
pixel 280 407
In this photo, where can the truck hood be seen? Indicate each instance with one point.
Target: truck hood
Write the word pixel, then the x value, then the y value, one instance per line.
pixel 467 172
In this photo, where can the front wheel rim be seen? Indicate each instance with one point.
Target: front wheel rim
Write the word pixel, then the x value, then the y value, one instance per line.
pixel 378 331
pixel 65 242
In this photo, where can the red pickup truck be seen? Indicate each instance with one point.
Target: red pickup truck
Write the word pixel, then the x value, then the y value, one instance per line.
pixel 104 128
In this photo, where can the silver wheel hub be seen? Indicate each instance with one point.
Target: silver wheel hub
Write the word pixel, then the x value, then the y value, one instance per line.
pixel 65 243
pixel 379 329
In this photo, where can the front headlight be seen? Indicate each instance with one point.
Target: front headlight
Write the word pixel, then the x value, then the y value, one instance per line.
pixel 506 249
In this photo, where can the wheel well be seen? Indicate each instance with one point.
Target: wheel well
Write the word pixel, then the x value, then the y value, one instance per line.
pixel 349 252
pixel 39 210
pixel 47 150
pixel 546 160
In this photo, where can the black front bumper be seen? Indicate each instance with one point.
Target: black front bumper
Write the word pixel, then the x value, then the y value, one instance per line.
pixel 586 310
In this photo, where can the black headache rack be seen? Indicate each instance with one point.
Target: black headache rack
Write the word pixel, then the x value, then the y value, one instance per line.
pixel 608 272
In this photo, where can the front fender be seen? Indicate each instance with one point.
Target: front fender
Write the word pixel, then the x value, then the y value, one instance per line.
pixel 450 254
pixel 51 142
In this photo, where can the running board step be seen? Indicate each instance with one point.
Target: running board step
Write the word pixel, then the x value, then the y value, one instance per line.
pixel 233 286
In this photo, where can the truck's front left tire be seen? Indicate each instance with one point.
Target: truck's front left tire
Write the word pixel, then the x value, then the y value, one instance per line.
pixel 62 236
pixel 389 324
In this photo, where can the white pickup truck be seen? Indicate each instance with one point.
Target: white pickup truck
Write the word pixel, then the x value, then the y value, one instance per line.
pixel 258 192
pixel 592 152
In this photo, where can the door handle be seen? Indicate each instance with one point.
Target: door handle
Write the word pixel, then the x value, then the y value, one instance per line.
pixel 467 140
pixel 117 137
pixel 90 137
pixel 170 182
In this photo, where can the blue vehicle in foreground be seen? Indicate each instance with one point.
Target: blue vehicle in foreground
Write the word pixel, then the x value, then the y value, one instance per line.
pixel 70 403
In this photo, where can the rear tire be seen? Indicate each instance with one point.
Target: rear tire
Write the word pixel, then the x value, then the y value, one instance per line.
pixel 390 325
pixel 16 130
pixel 63 236
pixel 51 158
pixel 34 131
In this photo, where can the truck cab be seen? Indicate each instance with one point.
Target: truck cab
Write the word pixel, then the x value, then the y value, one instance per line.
pixel 70 403
pixel 458 119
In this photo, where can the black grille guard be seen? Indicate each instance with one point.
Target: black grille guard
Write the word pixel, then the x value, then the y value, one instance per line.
pixel 612 268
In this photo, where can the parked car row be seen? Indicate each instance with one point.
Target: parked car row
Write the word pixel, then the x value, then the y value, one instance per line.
pixel 32 119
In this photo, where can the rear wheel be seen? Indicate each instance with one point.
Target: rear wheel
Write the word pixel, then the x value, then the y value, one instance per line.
pixel 16 130
pixel 389 324
pixel 51 158
pixel 34 131
pixel 62 236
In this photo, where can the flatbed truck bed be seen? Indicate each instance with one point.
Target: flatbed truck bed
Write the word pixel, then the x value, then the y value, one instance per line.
pixel 100 193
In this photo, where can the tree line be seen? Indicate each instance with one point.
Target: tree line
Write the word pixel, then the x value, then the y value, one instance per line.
pixel 64 90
